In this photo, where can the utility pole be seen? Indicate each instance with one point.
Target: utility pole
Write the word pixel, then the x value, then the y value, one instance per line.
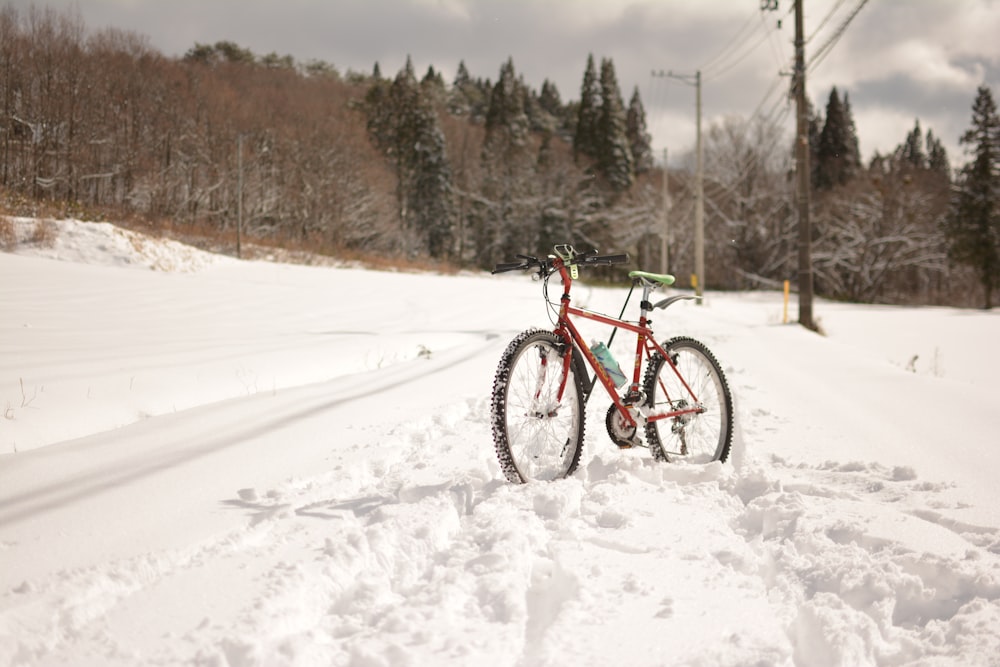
pixel 239 195
pixel 665 235
pixel 699 201
pixel 699 193
pixel 802 174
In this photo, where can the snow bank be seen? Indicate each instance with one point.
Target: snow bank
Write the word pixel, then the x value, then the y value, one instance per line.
pixel 104 244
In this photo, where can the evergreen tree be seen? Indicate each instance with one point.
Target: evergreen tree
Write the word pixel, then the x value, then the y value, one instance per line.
pixel 937 156
pixel 836 154
pixel 638 137
pixel 433 86
pixel 911 153
pixel 539 120
pixel 854 149
pixel 503 221
pixel 923 153
pixel 614 154
pixel 458 102
pixel 378 111
pixel 546 109
pixel 431 197
pixel 506 119
pixel 585 141
pixel 403 124
pixel 468 97
pixel 404 98
pixel 973 224
pixel 815 129
pixel 549 99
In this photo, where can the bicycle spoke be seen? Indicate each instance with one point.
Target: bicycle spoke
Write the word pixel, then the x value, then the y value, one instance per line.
pixel 693 386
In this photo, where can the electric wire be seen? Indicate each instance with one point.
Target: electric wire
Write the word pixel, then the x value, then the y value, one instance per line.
pixel 732 44
pixel 716 71
pixel 775 48
pixel 826 19
pixel 828 45
pixel 771 111
pixel 658 95
pixel 779 110
pixel 713 75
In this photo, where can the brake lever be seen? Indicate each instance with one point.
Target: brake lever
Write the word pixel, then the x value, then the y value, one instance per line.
pixel 528 260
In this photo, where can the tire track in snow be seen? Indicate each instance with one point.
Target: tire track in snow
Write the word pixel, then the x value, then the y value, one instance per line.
pixel 420 555
pixel 430 558
pixel 411 557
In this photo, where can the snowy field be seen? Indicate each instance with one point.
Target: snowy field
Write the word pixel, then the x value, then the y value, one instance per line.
pixel 245 463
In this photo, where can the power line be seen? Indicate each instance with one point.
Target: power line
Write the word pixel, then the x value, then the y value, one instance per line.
pixel 738 59
pixel 657 99
pixel 731 44
pixel 826 19
pixel 828 45
pixel 767 33
pixel 775 48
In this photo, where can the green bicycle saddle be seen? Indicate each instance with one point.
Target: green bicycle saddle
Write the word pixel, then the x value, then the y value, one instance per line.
pixel 662 278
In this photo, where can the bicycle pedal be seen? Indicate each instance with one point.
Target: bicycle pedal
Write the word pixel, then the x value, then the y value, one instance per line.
pixel 631 443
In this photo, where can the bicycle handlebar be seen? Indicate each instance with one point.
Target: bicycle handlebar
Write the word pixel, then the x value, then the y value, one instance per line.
pixel 510 266
pixel 606 259
pixel 525 263
pixel 591 258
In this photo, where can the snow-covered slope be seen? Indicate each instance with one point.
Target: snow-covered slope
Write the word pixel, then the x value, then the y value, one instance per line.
pixel 239 463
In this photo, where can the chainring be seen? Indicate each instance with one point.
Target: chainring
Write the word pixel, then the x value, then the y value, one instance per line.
pixel 619 430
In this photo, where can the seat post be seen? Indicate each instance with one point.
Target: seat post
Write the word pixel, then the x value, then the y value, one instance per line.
pixel 647 288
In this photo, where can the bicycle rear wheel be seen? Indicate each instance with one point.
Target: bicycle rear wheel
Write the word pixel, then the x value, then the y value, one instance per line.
pixel 538 434
pixel 699 437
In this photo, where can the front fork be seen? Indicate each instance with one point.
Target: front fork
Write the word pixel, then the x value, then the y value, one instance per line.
pixel 548 411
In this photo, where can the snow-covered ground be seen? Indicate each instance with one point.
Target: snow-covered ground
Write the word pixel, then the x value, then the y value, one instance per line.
pixel 244 463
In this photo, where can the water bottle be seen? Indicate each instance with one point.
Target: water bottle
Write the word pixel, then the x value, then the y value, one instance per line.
pixel 611 366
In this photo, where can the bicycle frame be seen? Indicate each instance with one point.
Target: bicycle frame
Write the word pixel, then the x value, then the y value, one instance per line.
pixel 646 345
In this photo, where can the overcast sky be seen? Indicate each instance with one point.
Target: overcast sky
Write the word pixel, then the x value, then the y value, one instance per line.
pixel 898 60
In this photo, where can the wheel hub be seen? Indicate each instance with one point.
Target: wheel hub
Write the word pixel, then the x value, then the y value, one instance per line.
pixel 680 421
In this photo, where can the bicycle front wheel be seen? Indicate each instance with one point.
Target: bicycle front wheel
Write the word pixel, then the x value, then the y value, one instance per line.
pixel 537 409
pixel 693 386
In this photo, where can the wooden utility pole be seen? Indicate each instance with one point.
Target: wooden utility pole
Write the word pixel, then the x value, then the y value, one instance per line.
pixel 239 196
pixel 699 200
pixel 802 174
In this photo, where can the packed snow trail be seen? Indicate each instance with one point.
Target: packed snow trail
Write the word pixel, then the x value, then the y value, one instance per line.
pixel 313 482
pixel 178 466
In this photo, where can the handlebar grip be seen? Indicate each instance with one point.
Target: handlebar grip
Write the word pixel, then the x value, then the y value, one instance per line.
pixel 509 266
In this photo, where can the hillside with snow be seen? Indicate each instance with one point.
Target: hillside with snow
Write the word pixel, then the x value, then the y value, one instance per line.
pixel 212 462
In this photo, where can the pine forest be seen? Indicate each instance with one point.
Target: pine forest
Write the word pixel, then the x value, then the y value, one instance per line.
pixel 456 170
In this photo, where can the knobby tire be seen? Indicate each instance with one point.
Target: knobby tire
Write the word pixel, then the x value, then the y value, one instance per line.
pixel 537 436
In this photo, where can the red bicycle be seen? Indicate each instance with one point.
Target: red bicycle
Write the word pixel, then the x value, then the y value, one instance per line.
pixel 542 385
